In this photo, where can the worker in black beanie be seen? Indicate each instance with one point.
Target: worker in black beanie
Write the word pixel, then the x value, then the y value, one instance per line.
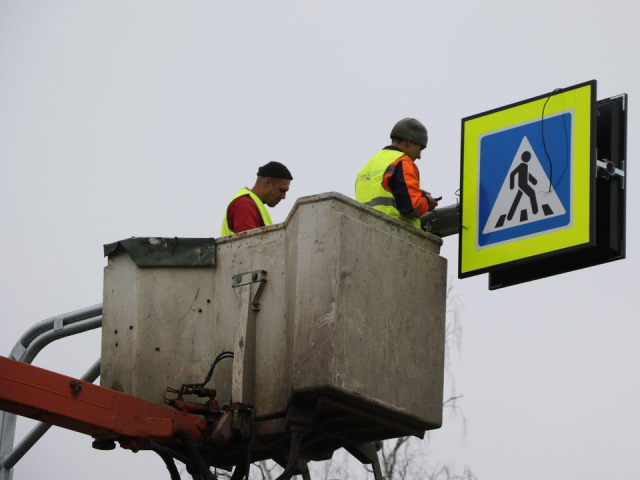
pixel 247 209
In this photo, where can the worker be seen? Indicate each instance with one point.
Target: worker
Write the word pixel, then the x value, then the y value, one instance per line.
pixel 247 209
pixel 390 181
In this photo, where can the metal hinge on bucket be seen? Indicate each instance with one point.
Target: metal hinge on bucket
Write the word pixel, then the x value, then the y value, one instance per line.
pixel 244 352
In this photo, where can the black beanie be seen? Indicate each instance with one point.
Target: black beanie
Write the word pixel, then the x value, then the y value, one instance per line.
pixel 274 170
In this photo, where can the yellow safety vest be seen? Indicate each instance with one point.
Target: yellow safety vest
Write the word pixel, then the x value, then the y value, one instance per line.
pixel 371 192
pixel 266 218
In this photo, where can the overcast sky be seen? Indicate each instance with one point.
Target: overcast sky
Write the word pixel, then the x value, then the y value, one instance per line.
pixel 126 118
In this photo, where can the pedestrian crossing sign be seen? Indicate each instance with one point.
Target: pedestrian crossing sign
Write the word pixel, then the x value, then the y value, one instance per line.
pixel 527 178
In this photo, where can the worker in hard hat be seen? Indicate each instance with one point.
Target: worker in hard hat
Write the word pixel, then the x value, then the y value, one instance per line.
pixel 247 209
pixel 390 181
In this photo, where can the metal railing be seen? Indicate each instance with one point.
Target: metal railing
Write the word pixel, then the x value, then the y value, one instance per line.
pixel 28 346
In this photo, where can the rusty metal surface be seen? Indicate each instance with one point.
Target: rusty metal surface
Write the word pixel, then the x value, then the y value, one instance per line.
pixel 271 427
pixel 86 408
pixel 166 252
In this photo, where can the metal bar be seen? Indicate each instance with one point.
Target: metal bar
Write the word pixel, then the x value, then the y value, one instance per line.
pixel 270 427
pixel 243 380
pixel 40 429
pixel 7 435
pixel 28 346
pixel 394 424
pixel 50 323
pixel 608 169
pixel 86 408
pixel 244 353
pixel 377 471
pixel 367 453
pixel 46 338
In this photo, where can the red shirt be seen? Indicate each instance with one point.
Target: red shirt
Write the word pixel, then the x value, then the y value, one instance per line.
pixel 243 215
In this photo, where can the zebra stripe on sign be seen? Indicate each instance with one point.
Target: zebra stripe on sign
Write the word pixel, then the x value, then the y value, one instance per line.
pixel 525 195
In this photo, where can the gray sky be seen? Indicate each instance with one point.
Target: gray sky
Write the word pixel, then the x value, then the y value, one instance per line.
pixel 144 118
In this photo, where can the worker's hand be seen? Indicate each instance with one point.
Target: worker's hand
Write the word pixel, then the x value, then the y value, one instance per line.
pixel 433 202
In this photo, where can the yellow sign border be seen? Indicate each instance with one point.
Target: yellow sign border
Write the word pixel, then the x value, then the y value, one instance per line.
pixel 580 99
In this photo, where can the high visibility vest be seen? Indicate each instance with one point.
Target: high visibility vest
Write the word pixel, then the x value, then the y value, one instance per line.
pixel 370 190
pixel 266 218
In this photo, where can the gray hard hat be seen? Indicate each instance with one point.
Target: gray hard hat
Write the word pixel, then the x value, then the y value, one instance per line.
pixel 412 130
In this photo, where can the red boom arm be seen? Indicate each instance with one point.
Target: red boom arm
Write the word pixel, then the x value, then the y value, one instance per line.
pixel 86 408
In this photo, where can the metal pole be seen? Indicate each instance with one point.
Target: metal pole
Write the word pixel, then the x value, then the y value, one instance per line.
pixel 25 350
pixel 6 442
pixel 46 338
pixel 40 429
pixel 55 323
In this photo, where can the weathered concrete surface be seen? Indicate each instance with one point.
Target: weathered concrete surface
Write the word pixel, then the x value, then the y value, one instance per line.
pixel 353 309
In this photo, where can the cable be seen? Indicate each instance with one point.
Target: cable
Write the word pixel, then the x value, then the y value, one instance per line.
pixel 197 462
pixel 249 457
pixel 239 472
pixel 294 455
pixel 170 464
pixel 218 359
pixel 545 143
pixel 164 450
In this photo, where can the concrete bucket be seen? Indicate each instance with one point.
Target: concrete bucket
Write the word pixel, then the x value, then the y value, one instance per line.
pixel 336 320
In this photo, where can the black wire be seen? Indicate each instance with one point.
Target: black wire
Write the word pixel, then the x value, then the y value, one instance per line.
pixel 163 449
pixel 170 464
pixel 294 455
pixel 566 165
pixel 218 359
pixel 545 143
pixel 249 458
pixel 197 462
pixel 239 472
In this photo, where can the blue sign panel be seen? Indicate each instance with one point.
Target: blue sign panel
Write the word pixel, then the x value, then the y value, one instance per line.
pixel 523 190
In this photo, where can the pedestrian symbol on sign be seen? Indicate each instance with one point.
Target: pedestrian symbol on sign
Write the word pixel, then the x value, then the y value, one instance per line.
pixel 516 197
pixel 525 173
pixel 524 177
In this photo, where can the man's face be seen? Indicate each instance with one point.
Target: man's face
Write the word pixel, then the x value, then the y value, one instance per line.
pixel 413 150
pixel 277 189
